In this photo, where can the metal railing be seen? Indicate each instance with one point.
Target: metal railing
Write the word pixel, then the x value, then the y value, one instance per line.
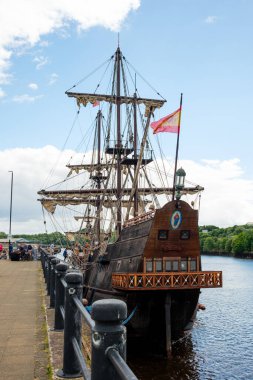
pixel 108 334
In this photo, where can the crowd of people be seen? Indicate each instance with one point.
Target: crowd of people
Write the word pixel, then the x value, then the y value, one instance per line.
pixel 22 252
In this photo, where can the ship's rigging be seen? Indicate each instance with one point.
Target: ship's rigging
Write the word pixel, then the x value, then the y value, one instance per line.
pixel 117 184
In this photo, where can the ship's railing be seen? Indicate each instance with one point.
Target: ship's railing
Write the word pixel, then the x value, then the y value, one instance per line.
pixel 167 281
pixel 108 334
pixel 139 218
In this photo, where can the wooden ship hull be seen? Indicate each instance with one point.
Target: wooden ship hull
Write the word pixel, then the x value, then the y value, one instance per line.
pixel 154 267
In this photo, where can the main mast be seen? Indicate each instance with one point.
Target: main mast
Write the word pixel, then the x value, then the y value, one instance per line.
pixel 135 156
pixel 99 172
pixel 118 63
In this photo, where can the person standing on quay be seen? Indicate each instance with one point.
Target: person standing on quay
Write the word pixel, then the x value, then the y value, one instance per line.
pixel 10 249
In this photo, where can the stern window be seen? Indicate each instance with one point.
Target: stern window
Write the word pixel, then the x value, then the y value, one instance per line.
pixel 175 265
pixel 158 265
pixel 149 266
pixel 193 265
pixel 185 234
pixel 168 265
pixel 163 234
pixel 183 265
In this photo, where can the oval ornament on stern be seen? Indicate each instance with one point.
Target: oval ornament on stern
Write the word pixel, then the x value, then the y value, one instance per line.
pixel 176 219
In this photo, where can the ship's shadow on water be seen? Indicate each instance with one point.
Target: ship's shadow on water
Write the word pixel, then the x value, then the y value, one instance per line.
pixel 182 365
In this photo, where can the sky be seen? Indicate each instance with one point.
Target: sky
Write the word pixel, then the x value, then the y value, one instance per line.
pixel 201 48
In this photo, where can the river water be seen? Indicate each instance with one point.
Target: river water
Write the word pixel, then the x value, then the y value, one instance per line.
pixel 220 346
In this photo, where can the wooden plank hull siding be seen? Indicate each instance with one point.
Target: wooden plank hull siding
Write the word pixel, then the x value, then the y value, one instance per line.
pixel 146 248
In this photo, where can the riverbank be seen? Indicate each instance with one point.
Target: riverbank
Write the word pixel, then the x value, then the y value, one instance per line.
pixel 248 255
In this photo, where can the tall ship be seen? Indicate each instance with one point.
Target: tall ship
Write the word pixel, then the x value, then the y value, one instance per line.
pixel 136 233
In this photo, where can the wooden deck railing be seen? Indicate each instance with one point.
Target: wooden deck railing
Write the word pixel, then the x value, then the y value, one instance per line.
pixel 139 218
pixel 167 281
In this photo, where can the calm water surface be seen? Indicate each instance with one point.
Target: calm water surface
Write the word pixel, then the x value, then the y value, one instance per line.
pixel 221 344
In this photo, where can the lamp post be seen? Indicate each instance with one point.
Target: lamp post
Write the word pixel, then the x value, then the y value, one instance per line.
pixel 10 171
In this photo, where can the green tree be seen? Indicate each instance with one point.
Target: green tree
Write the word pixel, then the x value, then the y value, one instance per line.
pixel 209 244
pixel 222 244
pixel 228 246
pixel 248 240
pixel 238 244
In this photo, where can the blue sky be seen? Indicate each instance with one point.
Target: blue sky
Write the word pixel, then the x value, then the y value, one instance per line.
pixel 202 48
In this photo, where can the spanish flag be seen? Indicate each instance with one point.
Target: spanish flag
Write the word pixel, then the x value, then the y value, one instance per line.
pixel 170 123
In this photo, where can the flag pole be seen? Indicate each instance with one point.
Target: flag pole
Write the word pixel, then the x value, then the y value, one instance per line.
pixel 175 169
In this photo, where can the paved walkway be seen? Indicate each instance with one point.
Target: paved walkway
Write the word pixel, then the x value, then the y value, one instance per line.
pixel 23 353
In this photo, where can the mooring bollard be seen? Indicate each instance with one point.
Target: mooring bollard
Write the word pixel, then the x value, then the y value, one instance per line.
pixel 49 258
pixel 108 332
pixel 61 270
pixel 53 263
pixel 72 326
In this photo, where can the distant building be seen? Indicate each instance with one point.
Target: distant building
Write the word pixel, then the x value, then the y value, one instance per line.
pixel 205 231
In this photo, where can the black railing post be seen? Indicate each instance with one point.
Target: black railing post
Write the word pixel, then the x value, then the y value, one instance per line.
pixel 46 268
pixel 72 326
pixel 42 259
pixel 53 263
pixel 108 332
pixel 61 270
pixel 49 258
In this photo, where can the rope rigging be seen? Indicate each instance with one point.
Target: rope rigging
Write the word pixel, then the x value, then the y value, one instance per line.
pixel 147 177
pixel 90 74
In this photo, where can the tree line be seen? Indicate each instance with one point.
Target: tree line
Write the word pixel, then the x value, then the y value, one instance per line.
pixel 56 238
pixel 233 241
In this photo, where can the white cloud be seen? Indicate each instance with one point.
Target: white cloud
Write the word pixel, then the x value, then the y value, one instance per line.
pixel 23 23
pixel 30 168
pixel 25 98
pixel 44 43
pixel 2 93
pixel 227 199
pixel 211 19
pixel 53 79
pixel 40 61
pixel 33 86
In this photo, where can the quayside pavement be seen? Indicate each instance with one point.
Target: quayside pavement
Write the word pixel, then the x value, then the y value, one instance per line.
pixel 23 340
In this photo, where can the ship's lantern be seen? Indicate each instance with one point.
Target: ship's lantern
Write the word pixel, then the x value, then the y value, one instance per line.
pixel 180 178
pixel 179 185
